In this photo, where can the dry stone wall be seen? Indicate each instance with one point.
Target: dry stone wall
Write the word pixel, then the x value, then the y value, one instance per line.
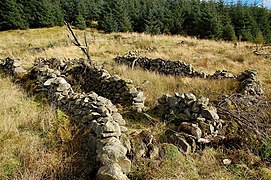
pixel 197 120
pixel 97 79
pixel 250 86
pixel 107 125
pixel 167 67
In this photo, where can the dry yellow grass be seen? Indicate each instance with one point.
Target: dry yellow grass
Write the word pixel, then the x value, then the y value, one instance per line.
pixel 23 154
pixel 204 55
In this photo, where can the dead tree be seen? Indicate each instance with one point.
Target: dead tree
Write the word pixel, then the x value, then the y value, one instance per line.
pixel 84 48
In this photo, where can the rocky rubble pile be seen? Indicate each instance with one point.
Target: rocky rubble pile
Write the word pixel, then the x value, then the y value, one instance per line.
pixel 197 120
pixel 97 79
pixel 12 67
pixel 222 75
pixel 250 87
pixel 107 125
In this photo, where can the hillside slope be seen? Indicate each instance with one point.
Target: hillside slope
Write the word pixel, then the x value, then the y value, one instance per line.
pixel 30 131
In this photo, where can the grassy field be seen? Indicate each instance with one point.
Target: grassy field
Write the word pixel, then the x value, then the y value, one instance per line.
pixel 25 122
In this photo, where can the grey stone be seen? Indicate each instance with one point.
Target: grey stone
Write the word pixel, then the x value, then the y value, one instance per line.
pixel 190 128
pixel 119 119
pixel 211 128
pixel 190 96
pixel 123 129
pixel 114 78
pixel 210 113
pixel 111 172
pixel 63 87
pixel 17 63
pixel 139 97
pixel 173 101
pixel 115 153
pixel 111 129
pixel 96 128
pixel 110 126
pixel 180 141
pixel 19 71
pixel 49 82
pixel 203 102
pixel 126 142
pixel 60 80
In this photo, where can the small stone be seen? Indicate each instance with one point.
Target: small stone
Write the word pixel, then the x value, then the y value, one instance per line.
pixel 110 126
pixel 191 129
pixel 133 91
pixel 210 113
pixel 180 141
pixel 111 172
pixel 203 141
pixel 190 96
pixel 63 87
pixel 115 152
pixel 125 141
pixel 95 114
pixel 17 63
pixel 128 81
pixel 119 119
pixel 49 82
pixel 114 78
pixel 19 70
pixel 211 129
pixel 123 129
pixel 139 97
pixel 226 161
pixel 203 102
pixel 60 80
pixel 154 152
pixel 173 101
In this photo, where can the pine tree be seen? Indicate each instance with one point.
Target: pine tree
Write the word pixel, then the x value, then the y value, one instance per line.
pixel 11 15
pixel 80 22
pixel 228 32
pixel 107 21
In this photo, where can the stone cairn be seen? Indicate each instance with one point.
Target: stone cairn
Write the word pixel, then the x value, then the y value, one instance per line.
pixel 97 79
pixel 107 125
pixel 167 67
pixel 197 120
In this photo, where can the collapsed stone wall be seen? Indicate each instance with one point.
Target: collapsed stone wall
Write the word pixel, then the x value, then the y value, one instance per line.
pixel 97 79
pixel 177 68
pixel 167 67
pixel 197 120
pixel 107 125
pixel 250 86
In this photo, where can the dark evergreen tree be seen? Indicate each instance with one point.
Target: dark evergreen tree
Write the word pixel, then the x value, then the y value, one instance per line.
pixel 228 32
pixel 11 15
pixel 152 22
pixel 107 21
pixel 80 22
pixel 121 15
pixel 205 19
pixel 209 23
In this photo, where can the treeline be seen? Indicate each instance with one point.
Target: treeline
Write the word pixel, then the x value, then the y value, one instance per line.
pixel 204 19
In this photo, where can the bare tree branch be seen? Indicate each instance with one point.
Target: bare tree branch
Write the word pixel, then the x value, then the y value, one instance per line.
pixel 84 48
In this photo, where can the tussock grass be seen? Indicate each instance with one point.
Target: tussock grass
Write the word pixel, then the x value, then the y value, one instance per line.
pixel 23 154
